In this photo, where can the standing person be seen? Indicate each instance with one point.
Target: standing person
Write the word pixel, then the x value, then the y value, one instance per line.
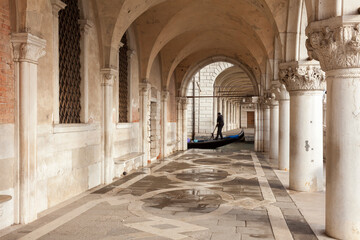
pixel 220 124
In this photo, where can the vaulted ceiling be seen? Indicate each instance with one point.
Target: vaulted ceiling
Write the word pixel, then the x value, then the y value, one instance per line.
pixel 186 32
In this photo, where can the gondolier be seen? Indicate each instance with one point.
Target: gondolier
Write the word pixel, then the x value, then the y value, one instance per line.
pixel 220 125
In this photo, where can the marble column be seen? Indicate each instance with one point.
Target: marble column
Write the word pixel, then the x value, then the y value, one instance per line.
pixel 305 82
pixel 164 122
pixel 274 129
pixel 284 127
pixel 266 126
pixel 179 124
pixel 108 77
pixel 258 125
pixel 27 51
pixel 335 44
pixel 144 94
pixel 184 105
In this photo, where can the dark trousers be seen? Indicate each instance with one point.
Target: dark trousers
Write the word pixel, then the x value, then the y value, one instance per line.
pixel 219 133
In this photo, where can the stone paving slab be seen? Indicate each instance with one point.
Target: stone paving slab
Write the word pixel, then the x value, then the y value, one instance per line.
pixel 199 194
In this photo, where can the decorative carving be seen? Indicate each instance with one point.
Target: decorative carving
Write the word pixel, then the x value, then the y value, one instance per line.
pixel 108 77
pixel 28 47
pixel 299 76
pixel 165 95
pixel 335 43
pixel 144 88
pixel 281 93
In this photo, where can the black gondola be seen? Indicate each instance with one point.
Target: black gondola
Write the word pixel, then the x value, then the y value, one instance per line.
pixel 212 144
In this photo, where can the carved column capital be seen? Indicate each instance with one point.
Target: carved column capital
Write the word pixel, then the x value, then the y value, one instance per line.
pixel 302 76
pixel 57 5
pixel 144 88
pixel 27 47
pixel 85 25
pixel 335 42
pixel 108 76
pixel 165 95
pixel 281 93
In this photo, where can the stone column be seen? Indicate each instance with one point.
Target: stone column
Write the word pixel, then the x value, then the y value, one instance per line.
pixel 182 122
pixel 164 99
pixel 258 125
pixel 335 43
pixel 305 82
pixel 179 124
pixel 57 5
pixel 108 77
pixel 27 51
pixel 85 26
pixel 144 88
pixel 284 127
pixel 274 129
pixel 266 125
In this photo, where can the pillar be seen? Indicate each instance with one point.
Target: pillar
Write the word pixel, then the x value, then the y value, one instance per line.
pixel 305 82
pixel 108 77
pixel 27 51
pixel 274 129
pixel 178 124
pixel 144 93
pixel 339 56
pixel 258 125
pixel 284 127
pixel 266 125
pixel 164 99
pixel 184 105
pixel 85 26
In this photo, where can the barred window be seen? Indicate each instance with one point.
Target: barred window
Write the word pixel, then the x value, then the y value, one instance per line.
pixel 69 63
pixel 123 80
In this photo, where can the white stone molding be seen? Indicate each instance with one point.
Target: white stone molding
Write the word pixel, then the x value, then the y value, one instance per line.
pixel 335 42
pixel 27 51
pixel 302 76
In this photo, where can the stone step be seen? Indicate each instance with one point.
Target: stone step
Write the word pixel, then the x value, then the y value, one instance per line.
pixel 127 162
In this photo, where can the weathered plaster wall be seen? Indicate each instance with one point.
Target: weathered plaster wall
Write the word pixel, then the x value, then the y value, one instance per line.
pixel 68 156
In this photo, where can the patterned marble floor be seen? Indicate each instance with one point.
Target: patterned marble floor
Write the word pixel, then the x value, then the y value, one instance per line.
pixel 226 194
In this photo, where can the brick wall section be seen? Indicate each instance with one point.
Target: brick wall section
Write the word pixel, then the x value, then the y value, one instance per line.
pixel 7 85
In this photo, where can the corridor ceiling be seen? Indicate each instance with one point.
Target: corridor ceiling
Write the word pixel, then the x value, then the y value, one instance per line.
pixel 186 32
pixel 234 82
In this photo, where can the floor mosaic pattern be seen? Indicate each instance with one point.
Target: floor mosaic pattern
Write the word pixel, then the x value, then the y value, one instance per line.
pixel 226 194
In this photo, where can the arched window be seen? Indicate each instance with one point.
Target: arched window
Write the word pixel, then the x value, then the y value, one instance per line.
pixel 69 63
pixel 123 80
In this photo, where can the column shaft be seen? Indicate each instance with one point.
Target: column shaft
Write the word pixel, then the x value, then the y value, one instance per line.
pixel 108 78
pixel 27 50
pixel 266 128
pixel 306 141
pixel 274 131
pixel 284 134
